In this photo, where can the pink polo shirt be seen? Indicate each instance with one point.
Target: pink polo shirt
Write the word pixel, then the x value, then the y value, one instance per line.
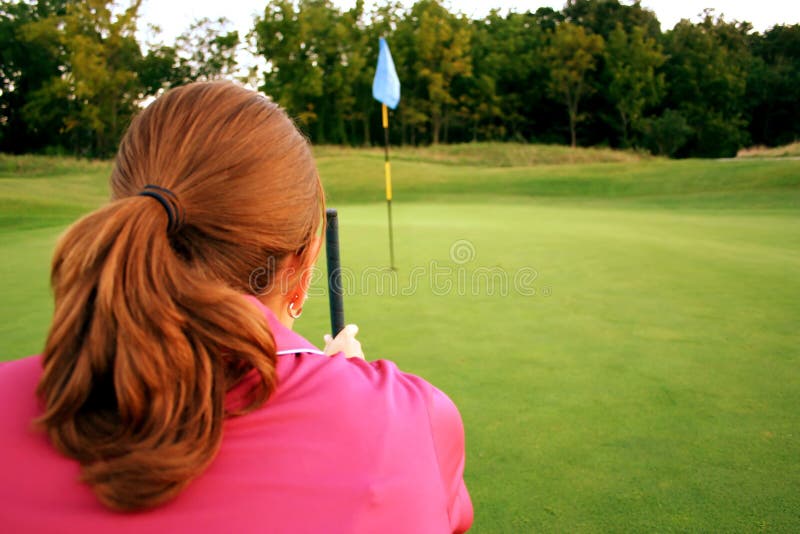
pixel 342 445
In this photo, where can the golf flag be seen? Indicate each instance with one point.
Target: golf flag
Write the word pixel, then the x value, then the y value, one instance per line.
pixel 386 90
pixel 386 84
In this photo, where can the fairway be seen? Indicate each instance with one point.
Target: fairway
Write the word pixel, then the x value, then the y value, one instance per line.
pixel 637 372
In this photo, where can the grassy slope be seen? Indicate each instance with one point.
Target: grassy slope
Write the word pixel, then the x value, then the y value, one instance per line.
pixel 792 150
pixel 40 192
pixel 358 178
pixel 492 154
pixel 650 384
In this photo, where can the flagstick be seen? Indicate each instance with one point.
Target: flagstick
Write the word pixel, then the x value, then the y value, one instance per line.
pixel 387 166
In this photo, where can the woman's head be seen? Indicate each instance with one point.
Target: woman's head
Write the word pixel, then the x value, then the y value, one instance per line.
pixel 243 176
pixel 150 328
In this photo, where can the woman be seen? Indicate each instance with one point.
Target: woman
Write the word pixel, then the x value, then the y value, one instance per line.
pixel 169 397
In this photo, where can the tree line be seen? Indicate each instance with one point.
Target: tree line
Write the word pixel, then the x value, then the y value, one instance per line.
pixel 596 72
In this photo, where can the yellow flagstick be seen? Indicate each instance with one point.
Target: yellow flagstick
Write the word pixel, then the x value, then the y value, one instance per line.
pixel 387 169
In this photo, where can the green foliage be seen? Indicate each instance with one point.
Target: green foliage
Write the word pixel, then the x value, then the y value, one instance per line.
pixel 161 68
pixel 510 77
pixel 773 86
pixel 209 50
pixel 602 17
pixel 72 74
pixel 91 97
pixel 28 60
pixel 571 55
pixel 667 133
pixel 631 63
pixel 205 51
pixel 707 70
pixel 101 54
pixel 439 56
pixel 317 57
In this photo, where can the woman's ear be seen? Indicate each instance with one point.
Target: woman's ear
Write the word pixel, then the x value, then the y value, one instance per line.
pixel 300 264
pixel 314 247
pixel 293 274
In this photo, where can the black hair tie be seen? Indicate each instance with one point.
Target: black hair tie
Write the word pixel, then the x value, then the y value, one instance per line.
pixel 170 205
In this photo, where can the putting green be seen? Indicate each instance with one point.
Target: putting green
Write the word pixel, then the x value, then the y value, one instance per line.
pixel 650 383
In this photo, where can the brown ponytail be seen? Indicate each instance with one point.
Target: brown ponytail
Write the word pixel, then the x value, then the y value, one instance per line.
pixel 150 329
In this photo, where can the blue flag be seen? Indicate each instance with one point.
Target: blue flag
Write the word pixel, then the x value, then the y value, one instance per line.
pixel 386 85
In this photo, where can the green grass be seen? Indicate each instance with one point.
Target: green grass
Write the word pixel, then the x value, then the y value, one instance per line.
pixel 358 178
pixel 651 382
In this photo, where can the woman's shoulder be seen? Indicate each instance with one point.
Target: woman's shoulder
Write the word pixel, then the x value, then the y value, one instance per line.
pixel 16 375
pixel 355 376
pixel 408 398
pixel 18 401
pixel 381 384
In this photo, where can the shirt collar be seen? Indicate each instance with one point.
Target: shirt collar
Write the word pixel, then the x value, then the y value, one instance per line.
pixel 287 341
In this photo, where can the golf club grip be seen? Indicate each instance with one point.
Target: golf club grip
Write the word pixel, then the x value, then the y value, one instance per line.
pixel 334 271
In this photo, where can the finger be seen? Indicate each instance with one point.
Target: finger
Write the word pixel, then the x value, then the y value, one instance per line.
pixel 352 329
pixel 347 332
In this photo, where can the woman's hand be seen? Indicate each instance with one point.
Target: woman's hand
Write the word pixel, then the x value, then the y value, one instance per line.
pixel 345 341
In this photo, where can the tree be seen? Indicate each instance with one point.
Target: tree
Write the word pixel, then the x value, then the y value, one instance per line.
pixel 310 63
pixel 571 54
pixel 72 74
pixel 28 61
pixel 98 84
pixel 511 75
pixel 602 17
pixel 707 73
pixel 631 61
pixel 348 91
pixel 439 53
pixel 162 68
pixel 207 51
pixel 773 86
pixel 666 134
